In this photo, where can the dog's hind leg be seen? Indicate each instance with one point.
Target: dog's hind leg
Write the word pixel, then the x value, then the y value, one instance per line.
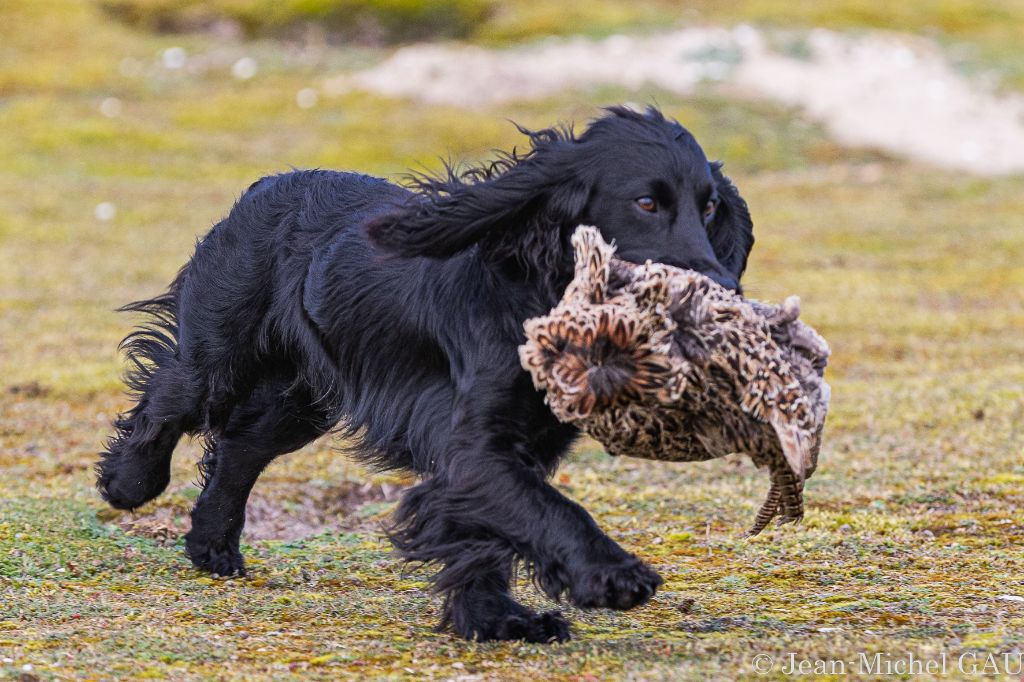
pixel 268 424
pixel 136 465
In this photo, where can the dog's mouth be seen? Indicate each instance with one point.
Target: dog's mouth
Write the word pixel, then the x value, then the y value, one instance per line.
pixel 720 278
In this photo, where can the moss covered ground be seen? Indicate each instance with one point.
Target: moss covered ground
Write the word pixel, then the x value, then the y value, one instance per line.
pixel 912 541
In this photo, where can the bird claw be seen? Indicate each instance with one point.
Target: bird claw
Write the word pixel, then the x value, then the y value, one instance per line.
pixel 780 521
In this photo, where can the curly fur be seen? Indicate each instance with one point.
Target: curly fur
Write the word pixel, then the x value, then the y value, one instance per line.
pixel 335 300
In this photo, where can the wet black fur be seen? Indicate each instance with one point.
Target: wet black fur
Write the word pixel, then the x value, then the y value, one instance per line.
pixel 327 298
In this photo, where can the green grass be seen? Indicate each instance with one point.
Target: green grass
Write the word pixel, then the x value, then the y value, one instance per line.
pixel 344 19
pixel 979 34
pixel 915 517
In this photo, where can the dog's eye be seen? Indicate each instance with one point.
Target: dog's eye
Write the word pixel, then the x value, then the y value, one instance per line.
pixel 709 211
pixel 647 204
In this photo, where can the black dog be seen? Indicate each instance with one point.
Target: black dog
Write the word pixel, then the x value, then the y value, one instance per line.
pixel 331 297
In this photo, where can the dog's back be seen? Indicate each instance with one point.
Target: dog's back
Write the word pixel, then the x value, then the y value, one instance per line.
pixel 241 302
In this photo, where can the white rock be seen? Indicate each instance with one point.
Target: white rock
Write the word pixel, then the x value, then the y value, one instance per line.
pixel 306 98
pixel 111 107
pixel 245 68
pixel 175 57
pixel 105 211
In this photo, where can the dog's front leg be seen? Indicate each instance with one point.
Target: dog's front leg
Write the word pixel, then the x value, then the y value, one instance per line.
pixel 567 551
pixel 487 502
pixel 476 568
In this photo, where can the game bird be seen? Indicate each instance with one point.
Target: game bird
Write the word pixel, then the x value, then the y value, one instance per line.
pixel 662 363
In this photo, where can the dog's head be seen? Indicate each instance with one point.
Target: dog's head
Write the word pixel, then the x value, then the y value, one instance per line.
pixel 640 178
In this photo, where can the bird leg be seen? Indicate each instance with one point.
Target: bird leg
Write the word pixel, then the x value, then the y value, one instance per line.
pixel 768 510
pixel 785 492
pixel 792 497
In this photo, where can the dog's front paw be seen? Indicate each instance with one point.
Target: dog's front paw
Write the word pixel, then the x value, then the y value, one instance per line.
pixel 620 585
pixel 220 559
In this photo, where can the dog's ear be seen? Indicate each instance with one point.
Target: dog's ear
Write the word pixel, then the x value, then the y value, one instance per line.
pixel 731 231
pixel 448 215
pixel 451 213
pixel 567 200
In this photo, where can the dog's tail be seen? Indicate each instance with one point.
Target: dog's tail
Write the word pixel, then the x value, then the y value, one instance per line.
pixel 154 344
pixel 135 467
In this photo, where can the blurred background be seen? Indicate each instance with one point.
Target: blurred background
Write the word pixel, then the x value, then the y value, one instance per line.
pixel 881 149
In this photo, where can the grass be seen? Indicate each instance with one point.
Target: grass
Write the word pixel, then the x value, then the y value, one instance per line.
pixel 981 35
pixel 915 517
pixel 344 19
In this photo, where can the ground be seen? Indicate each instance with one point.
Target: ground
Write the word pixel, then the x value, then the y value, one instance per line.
pixel 912 541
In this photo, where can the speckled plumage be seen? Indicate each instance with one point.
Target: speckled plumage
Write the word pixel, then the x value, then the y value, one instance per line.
pixel 662 363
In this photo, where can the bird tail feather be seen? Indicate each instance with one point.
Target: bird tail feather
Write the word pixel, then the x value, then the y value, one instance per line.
pixel 794 446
